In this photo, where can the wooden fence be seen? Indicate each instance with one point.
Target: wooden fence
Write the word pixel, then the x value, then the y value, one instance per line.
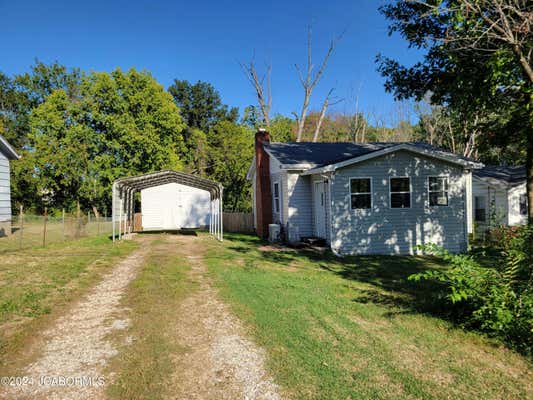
pixel 240 222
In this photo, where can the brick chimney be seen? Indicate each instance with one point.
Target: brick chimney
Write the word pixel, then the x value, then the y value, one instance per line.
pixel 263 191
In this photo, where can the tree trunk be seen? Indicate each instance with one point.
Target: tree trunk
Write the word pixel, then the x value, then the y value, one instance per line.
pixel 529 172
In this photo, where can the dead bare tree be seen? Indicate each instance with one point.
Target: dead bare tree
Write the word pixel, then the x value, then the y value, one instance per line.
pixel 323 111
pixel 310 80
pixel 262 87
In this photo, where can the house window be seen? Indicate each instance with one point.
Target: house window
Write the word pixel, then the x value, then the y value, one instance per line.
pixel 523 204
pixel 480 208
pixel 438 191
pixel 400 192
pixel 361 193
pixel 276 197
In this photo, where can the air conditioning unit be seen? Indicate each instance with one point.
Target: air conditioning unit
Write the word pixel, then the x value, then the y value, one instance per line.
pixel 273 232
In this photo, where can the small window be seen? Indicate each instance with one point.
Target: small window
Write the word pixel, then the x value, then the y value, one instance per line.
pixel 438 191
pixel 276 197
pixel 523 204
pixel 480 208
pixel 400 193
pixel 361 193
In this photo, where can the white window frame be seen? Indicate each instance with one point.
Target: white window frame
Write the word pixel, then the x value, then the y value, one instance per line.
pixel 371 192
pixel 447 191
pixel 274 198
pixel 410 193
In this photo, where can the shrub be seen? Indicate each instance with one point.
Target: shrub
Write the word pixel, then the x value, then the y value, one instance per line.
pixel 497 299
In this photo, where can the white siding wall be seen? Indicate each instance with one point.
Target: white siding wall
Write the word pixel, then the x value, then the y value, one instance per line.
pixel 5 191
pixel 495 201
pixel 299 206
pixel 515 218
pixel 174 206
pixel 382 230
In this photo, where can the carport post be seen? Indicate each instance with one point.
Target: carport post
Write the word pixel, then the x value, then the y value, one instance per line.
pixel 113 210
pixel 120 216
pixel 221 215
pixel 211 215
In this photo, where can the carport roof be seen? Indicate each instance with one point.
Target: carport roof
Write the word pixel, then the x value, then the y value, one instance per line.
pixel 152 179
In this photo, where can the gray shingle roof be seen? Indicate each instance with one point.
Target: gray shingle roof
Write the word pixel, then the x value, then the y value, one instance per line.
pixel 321 154
pixel 511 175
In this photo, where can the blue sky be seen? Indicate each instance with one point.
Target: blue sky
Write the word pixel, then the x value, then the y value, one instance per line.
pixel 205 40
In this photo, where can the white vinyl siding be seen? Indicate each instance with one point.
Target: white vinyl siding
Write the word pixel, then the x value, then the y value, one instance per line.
pixel 5 191
pixel 299 206
pixel 385 230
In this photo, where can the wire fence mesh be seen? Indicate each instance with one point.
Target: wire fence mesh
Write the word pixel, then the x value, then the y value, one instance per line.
pixel 28 231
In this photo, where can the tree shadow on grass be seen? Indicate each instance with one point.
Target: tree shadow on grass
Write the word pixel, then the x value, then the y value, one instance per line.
pixel 387 275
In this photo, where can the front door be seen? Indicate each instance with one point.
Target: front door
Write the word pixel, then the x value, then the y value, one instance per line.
pixel 320 210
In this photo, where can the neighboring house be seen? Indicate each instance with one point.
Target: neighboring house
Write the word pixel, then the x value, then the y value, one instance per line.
pixel 372 198
pixel 174 206
pixel 7 153
pixel 499 196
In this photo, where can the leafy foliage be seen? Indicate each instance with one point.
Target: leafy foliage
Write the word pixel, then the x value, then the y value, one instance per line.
pixel 481 82
pixel 200 104
pixel 120 124
pixel 496 299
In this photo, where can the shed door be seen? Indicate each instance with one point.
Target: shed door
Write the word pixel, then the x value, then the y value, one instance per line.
pixel 320 210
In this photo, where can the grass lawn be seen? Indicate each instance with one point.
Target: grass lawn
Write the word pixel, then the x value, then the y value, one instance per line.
pixel 31 235
pixel 36 284
pixel 355 328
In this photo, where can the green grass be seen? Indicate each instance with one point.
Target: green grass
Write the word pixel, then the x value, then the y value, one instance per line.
pixel 35 283
pixel 31 236
pixel 356 328
pixel 142 368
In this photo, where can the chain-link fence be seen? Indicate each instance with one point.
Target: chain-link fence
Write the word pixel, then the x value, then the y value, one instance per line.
pixel 41 230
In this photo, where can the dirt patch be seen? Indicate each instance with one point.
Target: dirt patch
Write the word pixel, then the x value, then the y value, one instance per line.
pixel 276 248
pixel 219 361
pixel 74 351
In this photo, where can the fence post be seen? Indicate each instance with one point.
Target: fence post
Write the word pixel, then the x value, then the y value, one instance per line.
pixel 78 221
pixel 21 224
pixel 44 228
pixel 63 223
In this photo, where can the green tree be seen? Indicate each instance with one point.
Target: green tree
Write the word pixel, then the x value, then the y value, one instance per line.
pixel 120 124
pixel 477 62
pixel 200 104
pixel 231 153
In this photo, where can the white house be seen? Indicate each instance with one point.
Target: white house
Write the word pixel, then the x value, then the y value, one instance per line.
pixel 174 206
pixel 7 153
pixel 371 198
pixel 499 196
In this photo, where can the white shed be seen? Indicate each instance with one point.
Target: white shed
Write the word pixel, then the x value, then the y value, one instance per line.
pixel 170 200
pixel 174 206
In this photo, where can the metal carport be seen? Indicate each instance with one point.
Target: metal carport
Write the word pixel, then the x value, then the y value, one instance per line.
pixel 124 189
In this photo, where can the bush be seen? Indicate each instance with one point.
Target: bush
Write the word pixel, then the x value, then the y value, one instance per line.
pixel 497 299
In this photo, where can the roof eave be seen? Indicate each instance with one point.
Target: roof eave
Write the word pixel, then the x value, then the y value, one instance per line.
pixel 9 151
pixel 451 159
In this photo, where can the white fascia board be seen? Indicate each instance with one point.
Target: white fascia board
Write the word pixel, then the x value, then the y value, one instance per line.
pixel 11 153
pixel 451 159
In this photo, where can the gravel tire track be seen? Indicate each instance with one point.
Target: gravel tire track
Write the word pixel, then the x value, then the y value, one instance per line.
pixel 76 346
